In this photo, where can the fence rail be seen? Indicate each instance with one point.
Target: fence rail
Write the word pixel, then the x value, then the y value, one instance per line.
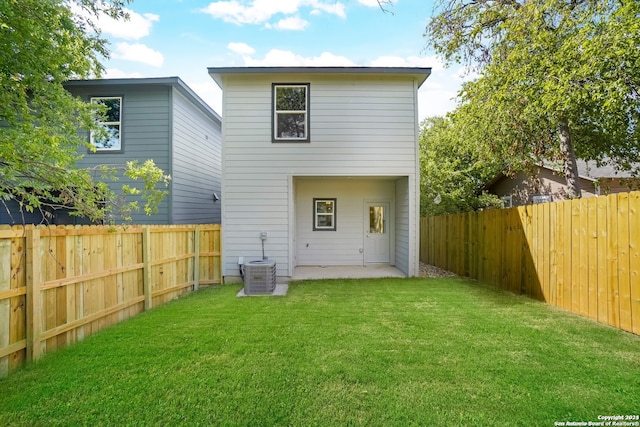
pixel 580 255
pixel 61 284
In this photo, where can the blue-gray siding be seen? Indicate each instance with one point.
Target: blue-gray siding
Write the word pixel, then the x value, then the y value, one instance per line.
pixel 164 121
pixel 197 167
pixel 145 134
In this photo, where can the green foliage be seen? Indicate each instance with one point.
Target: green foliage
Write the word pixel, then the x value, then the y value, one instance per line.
pixel 543 64
pixel 150 175
pixel 454 169
pixel 43 43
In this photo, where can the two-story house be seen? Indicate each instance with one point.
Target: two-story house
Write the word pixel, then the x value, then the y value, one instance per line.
pixel 320 166
pixel 151 118
pixel 164 120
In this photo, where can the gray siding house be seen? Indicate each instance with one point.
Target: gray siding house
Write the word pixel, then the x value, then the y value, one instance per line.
pixel 321 166
pixel 164 120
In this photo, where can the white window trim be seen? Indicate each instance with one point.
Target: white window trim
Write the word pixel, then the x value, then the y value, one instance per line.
pixel 95 99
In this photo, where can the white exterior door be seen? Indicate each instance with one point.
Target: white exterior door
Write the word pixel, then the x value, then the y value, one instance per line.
pixel 376 241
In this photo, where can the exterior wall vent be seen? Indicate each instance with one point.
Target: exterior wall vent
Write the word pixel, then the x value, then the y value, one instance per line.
pixel 259 277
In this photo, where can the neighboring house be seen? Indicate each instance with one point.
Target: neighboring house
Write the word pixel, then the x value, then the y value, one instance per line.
pixel 160 119
pixel 322 163
pixel 547 184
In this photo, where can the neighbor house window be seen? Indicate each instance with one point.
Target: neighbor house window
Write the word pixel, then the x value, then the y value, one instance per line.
pixel 111 137
pixel 290 112
pixel 542 199
pixel 324 214
pixel 507 201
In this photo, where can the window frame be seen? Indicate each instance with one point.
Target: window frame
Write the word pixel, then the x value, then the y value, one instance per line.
pixel 541 198
pixel 507 201
pixel 95 100
pixel 385 212
pixel 275 112
pixel 316 214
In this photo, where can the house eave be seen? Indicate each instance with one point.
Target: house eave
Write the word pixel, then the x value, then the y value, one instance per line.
pixel 420 74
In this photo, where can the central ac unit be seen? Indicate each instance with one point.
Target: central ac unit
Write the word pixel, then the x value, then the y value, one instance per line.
pixel 259 277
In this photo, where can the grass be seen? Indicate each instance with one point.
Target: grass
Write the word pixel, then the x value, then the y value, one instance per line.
pixel 386 352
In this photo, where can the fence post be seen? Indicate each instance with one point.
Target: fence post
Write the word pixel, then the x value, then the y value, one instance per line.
pixel 5 304
pixel 146 275
pixel 34 295
pixel 196 258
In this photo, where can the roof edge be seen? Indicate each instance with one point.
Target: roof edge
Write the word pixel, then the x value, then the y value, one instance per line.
pixel 421 73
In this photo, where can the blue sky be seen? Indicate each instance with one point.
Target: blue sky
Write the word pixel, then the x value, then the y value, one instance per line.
pixel 183 37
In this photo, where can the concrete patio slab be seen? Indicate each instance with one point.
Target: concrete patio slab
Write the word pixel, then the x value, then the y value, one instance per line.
pixel 346 272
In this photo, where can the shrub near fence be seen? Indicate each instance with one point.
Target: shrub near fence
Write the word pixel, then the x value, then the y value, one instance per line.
pixel 581 255
pixel 61 284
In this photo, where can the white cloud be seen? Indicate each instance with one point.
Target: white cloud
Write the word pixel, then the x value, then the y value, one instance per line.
pixel 114 73
pixel 371 3
pixel 241 48
pixel 292 23
pixel 409 61
pixel 285 58
pixel 328 59
pixel 135 28
pixel 138 52
pixel 436 96
pixel 332 7
pixel 262 11
pixel 208 91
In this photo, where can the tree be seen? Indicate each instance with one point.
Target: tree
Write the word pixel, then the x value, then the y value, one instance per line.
pixel 557 78
pixel 43 43
pixel 453 174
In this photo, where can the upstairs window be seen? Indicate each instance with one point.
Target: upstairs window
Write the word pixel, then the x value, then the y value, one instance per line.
pixel 290 112
pixel 110 139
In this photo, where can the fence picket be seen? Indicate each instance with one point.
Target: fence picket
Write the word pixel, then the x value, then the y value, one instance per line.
pixel 624 285
pixel 592 257
pixel 613 296
pixel 602 233
pixel 567 242
pixel 575 256
pixel 5 304
pixel 552 298
pixel 146 257
pixel 634 260
pixel 34 296
pixel 580 255
pixel 60 284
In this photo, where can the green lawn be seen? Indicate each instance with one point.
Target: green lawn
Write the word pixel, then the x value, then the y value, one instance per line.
pixel 386 352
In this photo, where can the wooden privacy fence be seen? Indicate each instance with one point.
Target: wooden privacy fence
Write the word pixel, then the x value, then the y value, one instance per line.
pixel 61 284
pixel 581 255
